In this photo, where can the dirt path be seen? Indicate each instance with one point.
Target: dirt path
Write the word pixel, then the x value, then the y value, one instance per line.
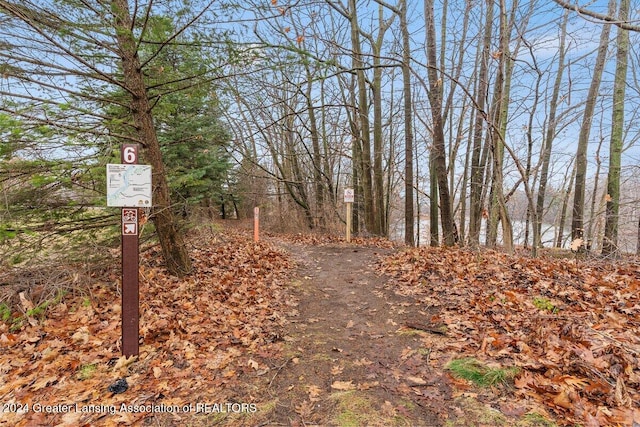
pixel 350 361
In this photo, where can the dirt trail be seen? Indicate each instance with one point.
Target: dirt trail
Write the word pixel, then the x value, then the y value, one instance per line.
pixel 349 359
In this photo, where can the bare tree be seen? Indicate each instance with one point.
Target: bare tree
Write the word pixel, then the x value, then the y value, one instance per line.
pixel 577 221
pixel 438 149
pixel 610 243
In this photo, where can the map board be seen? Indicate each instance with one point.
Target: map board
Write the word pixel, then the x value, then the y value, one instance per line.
pixel 129 185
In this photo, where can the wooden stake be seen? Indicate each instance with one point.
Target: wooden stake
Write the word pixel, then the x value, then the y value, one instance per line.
pixel 256 224
pixel 349 207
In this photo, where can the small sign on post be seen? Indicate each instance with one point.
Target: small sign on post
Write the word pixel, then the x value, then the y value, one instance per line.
pixel 349 198
pixel 129 187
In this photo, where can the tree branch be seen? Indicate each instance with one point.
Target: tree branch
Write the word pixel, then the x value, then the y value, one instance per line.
pixel 600 17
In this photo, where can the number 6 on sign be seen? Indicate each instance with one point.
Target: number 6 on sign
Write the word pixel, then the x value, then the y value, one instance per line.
pixel 130 154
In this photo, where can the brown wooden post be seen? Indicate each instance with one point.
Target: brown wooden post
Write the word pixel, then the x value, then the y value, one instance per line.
pixel 130 267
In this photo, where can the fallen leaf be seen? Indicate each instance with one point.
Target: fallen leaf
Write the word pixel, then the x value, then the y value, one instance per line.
pixel 368 385
pixel 123 362
pixel 314 392
pixel 343 385
pixel 336 370
pixel 416 380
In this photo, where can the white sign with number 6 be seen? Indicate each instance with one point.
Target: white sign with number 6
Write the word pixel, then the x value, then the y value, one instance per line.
pixel 130 154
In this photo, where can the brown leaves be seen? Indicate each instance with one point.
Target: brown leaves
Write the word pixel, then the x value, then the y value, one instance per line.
pixel 569 324
pixel 199 334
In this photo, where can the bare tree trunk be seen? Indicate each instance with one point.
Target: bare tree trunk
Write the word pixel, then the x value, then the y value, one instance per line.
pixel 172 242
pixel 563 212
pixel 316 154
pixel 577 221
pixel 356 154
pixel 477 163
pixel 593 214
pixel 547 144
pixel 498 211
pixel 434 215
pixel 363 121
pixel 409 233
pixel 435 100
pixel 610 243
pixel 378 175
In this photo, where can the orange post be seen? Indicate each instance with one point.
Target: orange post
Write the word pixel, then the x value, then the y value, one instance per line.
pixel 256 224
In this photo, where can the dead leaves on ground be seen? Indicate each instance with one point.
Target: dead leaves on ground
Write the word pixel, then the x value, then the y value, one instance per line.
pixel 571 325
pixel 200 336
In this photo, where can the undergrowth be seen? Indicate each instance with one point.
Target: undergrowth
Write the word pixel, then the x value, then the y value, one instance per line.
pixel 480 374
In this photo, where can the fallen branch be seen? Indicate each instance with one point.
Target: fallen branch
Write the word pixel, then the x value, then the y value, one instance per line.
pixel 434 329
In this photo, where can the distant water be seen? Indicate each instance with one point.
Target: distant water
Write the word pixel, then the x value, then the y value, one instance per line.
pixel 548 233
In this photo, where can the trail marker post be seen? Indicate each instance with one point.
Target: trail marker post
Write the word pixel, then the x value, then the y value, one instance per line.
pixel 256 224
pixel 130 268
pixel 129 186
pixel 349 198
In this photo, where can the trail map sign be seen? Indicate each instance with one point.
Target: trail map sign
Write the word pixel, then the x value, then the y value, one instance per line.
pixel 129 185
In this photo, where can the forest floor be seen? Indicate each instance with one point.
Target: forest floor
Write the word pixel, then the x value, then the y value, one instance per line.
pixel 303 330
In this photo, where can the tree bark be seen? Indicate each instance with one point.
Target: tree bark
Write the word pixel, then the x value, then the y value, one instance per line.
pixel 477 163
pixel 610 243
pixel 172 241
pixel 577 221
pixel 365 168
pixel 409 234
pixel 547 144
pixel 563 212
pixel 498 123
pixel 439 157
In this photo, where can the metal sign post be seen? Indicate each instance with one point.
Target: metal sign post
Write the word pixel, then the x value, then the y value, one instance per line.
pixel 130 266
pixel 349 198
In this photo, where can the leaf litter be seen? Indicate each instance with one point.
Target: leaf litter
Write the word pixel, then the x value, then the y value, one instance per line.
pixel 578 352
pixel 200 337
pixel 569 325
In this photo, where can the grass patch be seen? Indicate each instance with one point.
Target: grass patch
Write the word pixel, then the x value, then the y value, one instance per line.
pixel 544 304
pixel 535 420
pixel 354 409
pixel 5 312
pixel 480 374
pixel 36 312
pixel 86 371
pixel 475 413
